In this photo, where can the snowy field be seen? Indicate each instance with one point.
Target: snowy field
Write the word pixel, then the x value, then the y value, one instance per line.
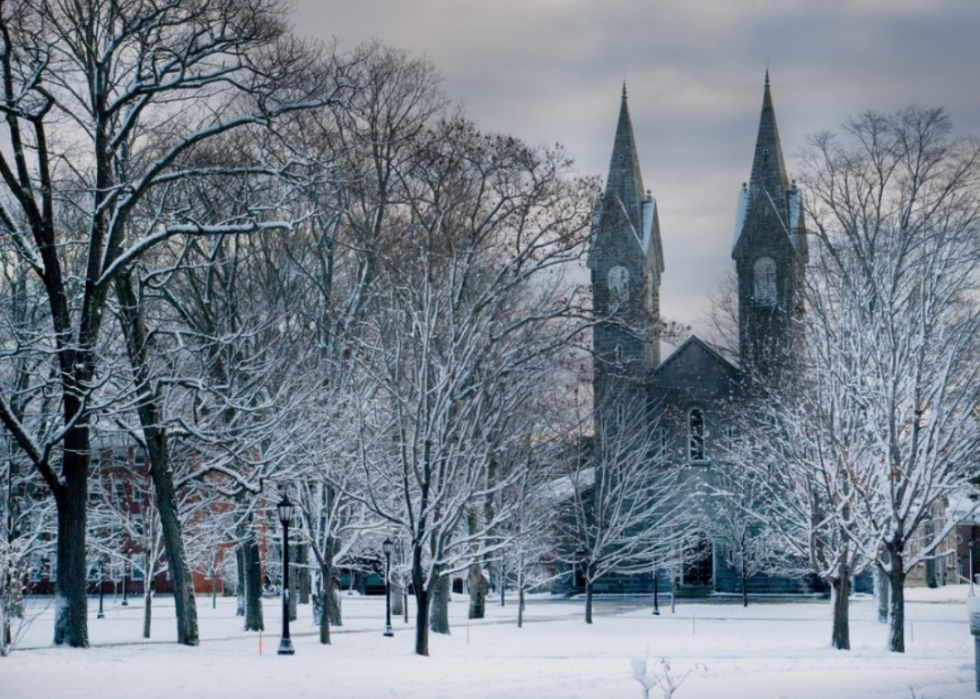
pixel 768 651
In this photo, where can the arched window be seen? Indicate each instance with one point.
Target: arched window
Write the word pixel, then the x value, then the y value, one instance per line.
pixel 618 282
pixel 695 434
pixel 764 272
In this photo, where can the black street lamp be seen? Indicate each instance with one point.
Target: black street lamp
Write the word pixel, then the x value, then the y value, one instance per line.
pixel 285 508
pixel 387 546
pixel 101 614
pixel 125 600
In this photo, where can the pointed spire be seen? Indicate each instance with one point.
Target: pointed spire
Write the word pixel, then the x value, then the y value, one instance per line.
pixel 768 168
pixel 625 179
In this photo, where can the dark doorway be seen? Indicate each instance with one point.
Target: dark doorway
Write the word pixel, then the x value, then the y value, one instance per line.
pixel 699 563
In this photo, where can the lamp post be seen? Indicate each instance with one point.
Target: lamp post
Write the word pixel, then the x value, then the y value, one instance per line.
pixel 387 546
pixel 101 614
pixel 125 599
pixel 285 508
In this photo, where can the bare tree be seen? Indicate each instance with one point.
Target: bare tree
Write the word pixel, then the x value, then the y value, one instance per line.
pixel 106 103
pixel 895 202
pixel 622 507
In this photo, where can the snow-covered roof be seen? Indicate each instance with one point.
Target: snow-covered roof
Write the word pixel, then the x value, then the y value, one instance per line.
pixel 561 489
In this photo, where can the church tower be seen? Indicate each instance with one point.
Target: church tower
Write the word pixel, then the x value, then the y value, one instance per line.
pixel 770 253
pixel 626 261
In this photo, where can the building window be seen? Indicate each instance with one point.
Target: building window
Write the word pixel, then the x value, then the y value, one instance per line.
pixel 764 273
pixel 695 432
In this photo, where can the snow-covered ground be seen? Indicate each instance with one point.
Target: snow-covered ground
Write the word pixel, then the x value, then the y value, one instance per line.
pixel 768 651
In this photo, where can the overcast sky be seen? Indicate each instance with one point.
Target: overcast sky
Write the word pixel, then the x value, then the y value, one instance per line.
pixel 551 71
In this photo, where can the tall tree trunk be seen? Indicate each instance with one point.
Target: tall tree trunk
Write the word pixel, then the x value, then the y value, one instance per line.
pixel 881 594
pixel 588 598
pixel 148 603
pixel 520 606
pixel 397 599
pixel 240 574
pixel 151 415
pixel 439 613
pixel 326 591
pixel 303 573
pixel 502 582
pixel 293 585
pixel 896 616
pixel 71 501
pixel 743 574
pixel 421 603
pixel 841 635
pixel 252 570
pixel 479 587
pixel 929 531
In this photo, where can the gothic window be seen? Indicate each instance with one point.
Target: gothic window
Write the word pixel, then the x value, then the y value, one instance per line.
pixel 618 282
pixel 618 354
pixel 695 434
pixel 764 273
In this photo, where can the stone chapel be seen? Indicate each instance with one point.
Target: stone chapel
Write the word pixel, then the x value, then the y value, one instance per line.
pixel 694 385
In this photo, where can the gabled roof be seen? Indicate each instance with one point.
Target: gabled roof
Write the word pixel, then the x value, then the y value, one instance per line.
pixel 695 342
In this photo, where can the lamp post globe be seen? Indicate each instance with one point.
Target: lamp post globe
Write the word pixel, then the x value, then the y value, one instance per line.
pixel 285 509
pixel 387 547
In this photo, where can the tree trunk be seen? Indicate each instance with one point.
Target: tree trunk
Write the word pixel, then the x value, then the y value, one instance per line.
pixel 335 607
pixel 252 571
pixel 841 635
pixel 326 591
pixel 148 605
pixel 303 573
pixel 185 605
pixel 881 594
pixel 293 584
pixel 479 587
pixel 151 419
pixel 745 586
pixel 520 603
pixel 929 532
pixel 896 617
pixel 588 599
pixel 240 570
pixel 71 501
pixel 421 603
pixel 439 613
pixel 397 600
pixel 502 582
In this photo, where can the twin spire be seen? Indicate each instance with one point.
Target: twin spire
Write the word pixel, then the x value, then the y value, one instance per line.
pixel 768 168
pixel 625 180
